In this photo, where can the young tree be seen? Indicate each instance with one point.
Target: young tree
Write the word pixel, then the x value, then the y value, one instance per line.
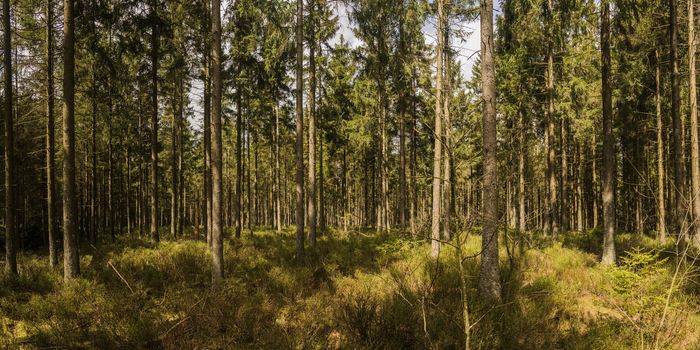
pixel 154 120
pixel 437 156
pixel 489 280
pixel 10 229
pixel 608 178
pixel 694 151
pixel 311 188
pixel 300 131
pixel 71 259
pixel 217 248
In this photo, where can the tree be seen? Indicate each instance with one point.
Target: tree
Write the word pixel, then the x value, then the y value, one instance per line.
pixel 216 150
pixel 437 156
pixel 71 259
pixel 679 180
pixel 311 188
pixel 694 151
pixel 50 141
pixel 489 280
pixel 608 178
pixel 154 120
pixel 10 229
pixel 300 131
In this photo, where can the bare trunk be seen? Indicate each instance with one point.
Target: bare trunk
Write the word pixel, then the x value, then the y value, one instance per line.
pixel 50 140
pixel 154 126
pixel 609 220
pixel 217 246
pixel 678 164
pixel 489 280
pixel 71 260
pixel 10 230
pixel 299 131
pixel 437 156
pixel 661 198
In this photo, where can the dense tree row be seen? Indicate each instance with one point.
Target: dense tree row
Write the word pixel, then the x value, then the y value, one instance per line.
pixel 178 122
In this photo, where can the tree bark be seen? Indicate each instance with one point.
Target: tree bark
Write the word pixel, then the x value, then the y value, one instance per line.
pixel 50 140
pixel 678 164
pixel 489 280
pixel 437 156
pixel 299 131
pixel 694 151
pixel 71 260
pixel 521 173
pixel 217 246
pixel 154 123
pixel 609 219
pixel 661 198
pixel 10 230
pixel 311 187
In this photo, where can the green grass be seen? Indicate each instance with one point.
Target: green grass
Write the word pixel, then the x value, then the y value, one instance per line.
pixel 356 291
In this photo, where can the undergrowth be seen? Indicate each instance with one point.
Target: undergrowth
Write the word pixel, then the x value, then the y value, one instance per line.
pixel 355 291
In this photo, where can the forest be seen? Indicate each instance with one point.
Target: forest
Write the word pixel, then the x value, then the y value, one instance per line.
pixel 349 174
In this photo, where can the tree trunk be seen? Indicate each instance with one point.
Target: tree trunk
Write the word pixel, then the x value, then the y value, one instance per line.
pixel 564 174
pixel 447 186
pixel 678 164
pixel 299 131
pixel 551 154
pixel 609 220
pixel 174 192
pixel 71 260
pixel 521 172
pixel 437 156
pixel 489 281
pixel 694 151
pixel 154 124
pixel 217 246
pixel 311 187
pixel 10 230
pixel 278 202
pixel 50 140
pixel 661 198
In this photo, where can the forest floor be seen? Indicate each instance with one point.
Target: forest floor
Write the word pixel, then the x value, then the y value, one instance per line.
pixel 357 290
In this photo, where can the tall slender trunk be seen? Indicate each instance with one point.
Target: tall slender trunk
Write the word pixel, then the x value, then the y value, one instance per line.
pixel 437 156
pixel 609 220
pixel 489 281
pixel 154 123
pixel 551 156
pixel 299 131
pixel 207 130
pixel 521 172
pixel 311 187
pixel 217 246
pixel 694 151
pixel 10 230
pixel 173 171
pixel 71 260
pixel 50 140
pixel 678 163
pixel 564 184
pixel 447 185
pixel 278 202
pixel 661 198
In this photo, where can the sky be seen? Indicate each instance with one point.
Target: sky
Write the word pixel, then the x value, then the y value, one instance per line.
pixel 467 50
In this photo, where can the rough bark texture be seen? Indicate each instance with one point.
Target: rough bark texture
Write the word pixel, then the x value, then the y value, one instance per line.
pixel 50 140
pixel 608 178
pixel 661 199
pixel 311 186
pixel 489 280
pixel 217 246
pixel 521 173
pixel 437 156
pixel 10 230
pixel 300 132
pixel 154 126
pixel 678 166
pixel 71 260
pixel 693 100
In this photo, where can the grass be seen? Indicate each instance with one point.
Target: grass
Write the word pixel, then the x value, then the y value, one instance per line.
pixel 356 291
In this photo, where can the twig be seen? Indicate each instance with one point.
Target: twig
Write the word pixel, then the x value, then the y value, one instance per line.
pixel 122 277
